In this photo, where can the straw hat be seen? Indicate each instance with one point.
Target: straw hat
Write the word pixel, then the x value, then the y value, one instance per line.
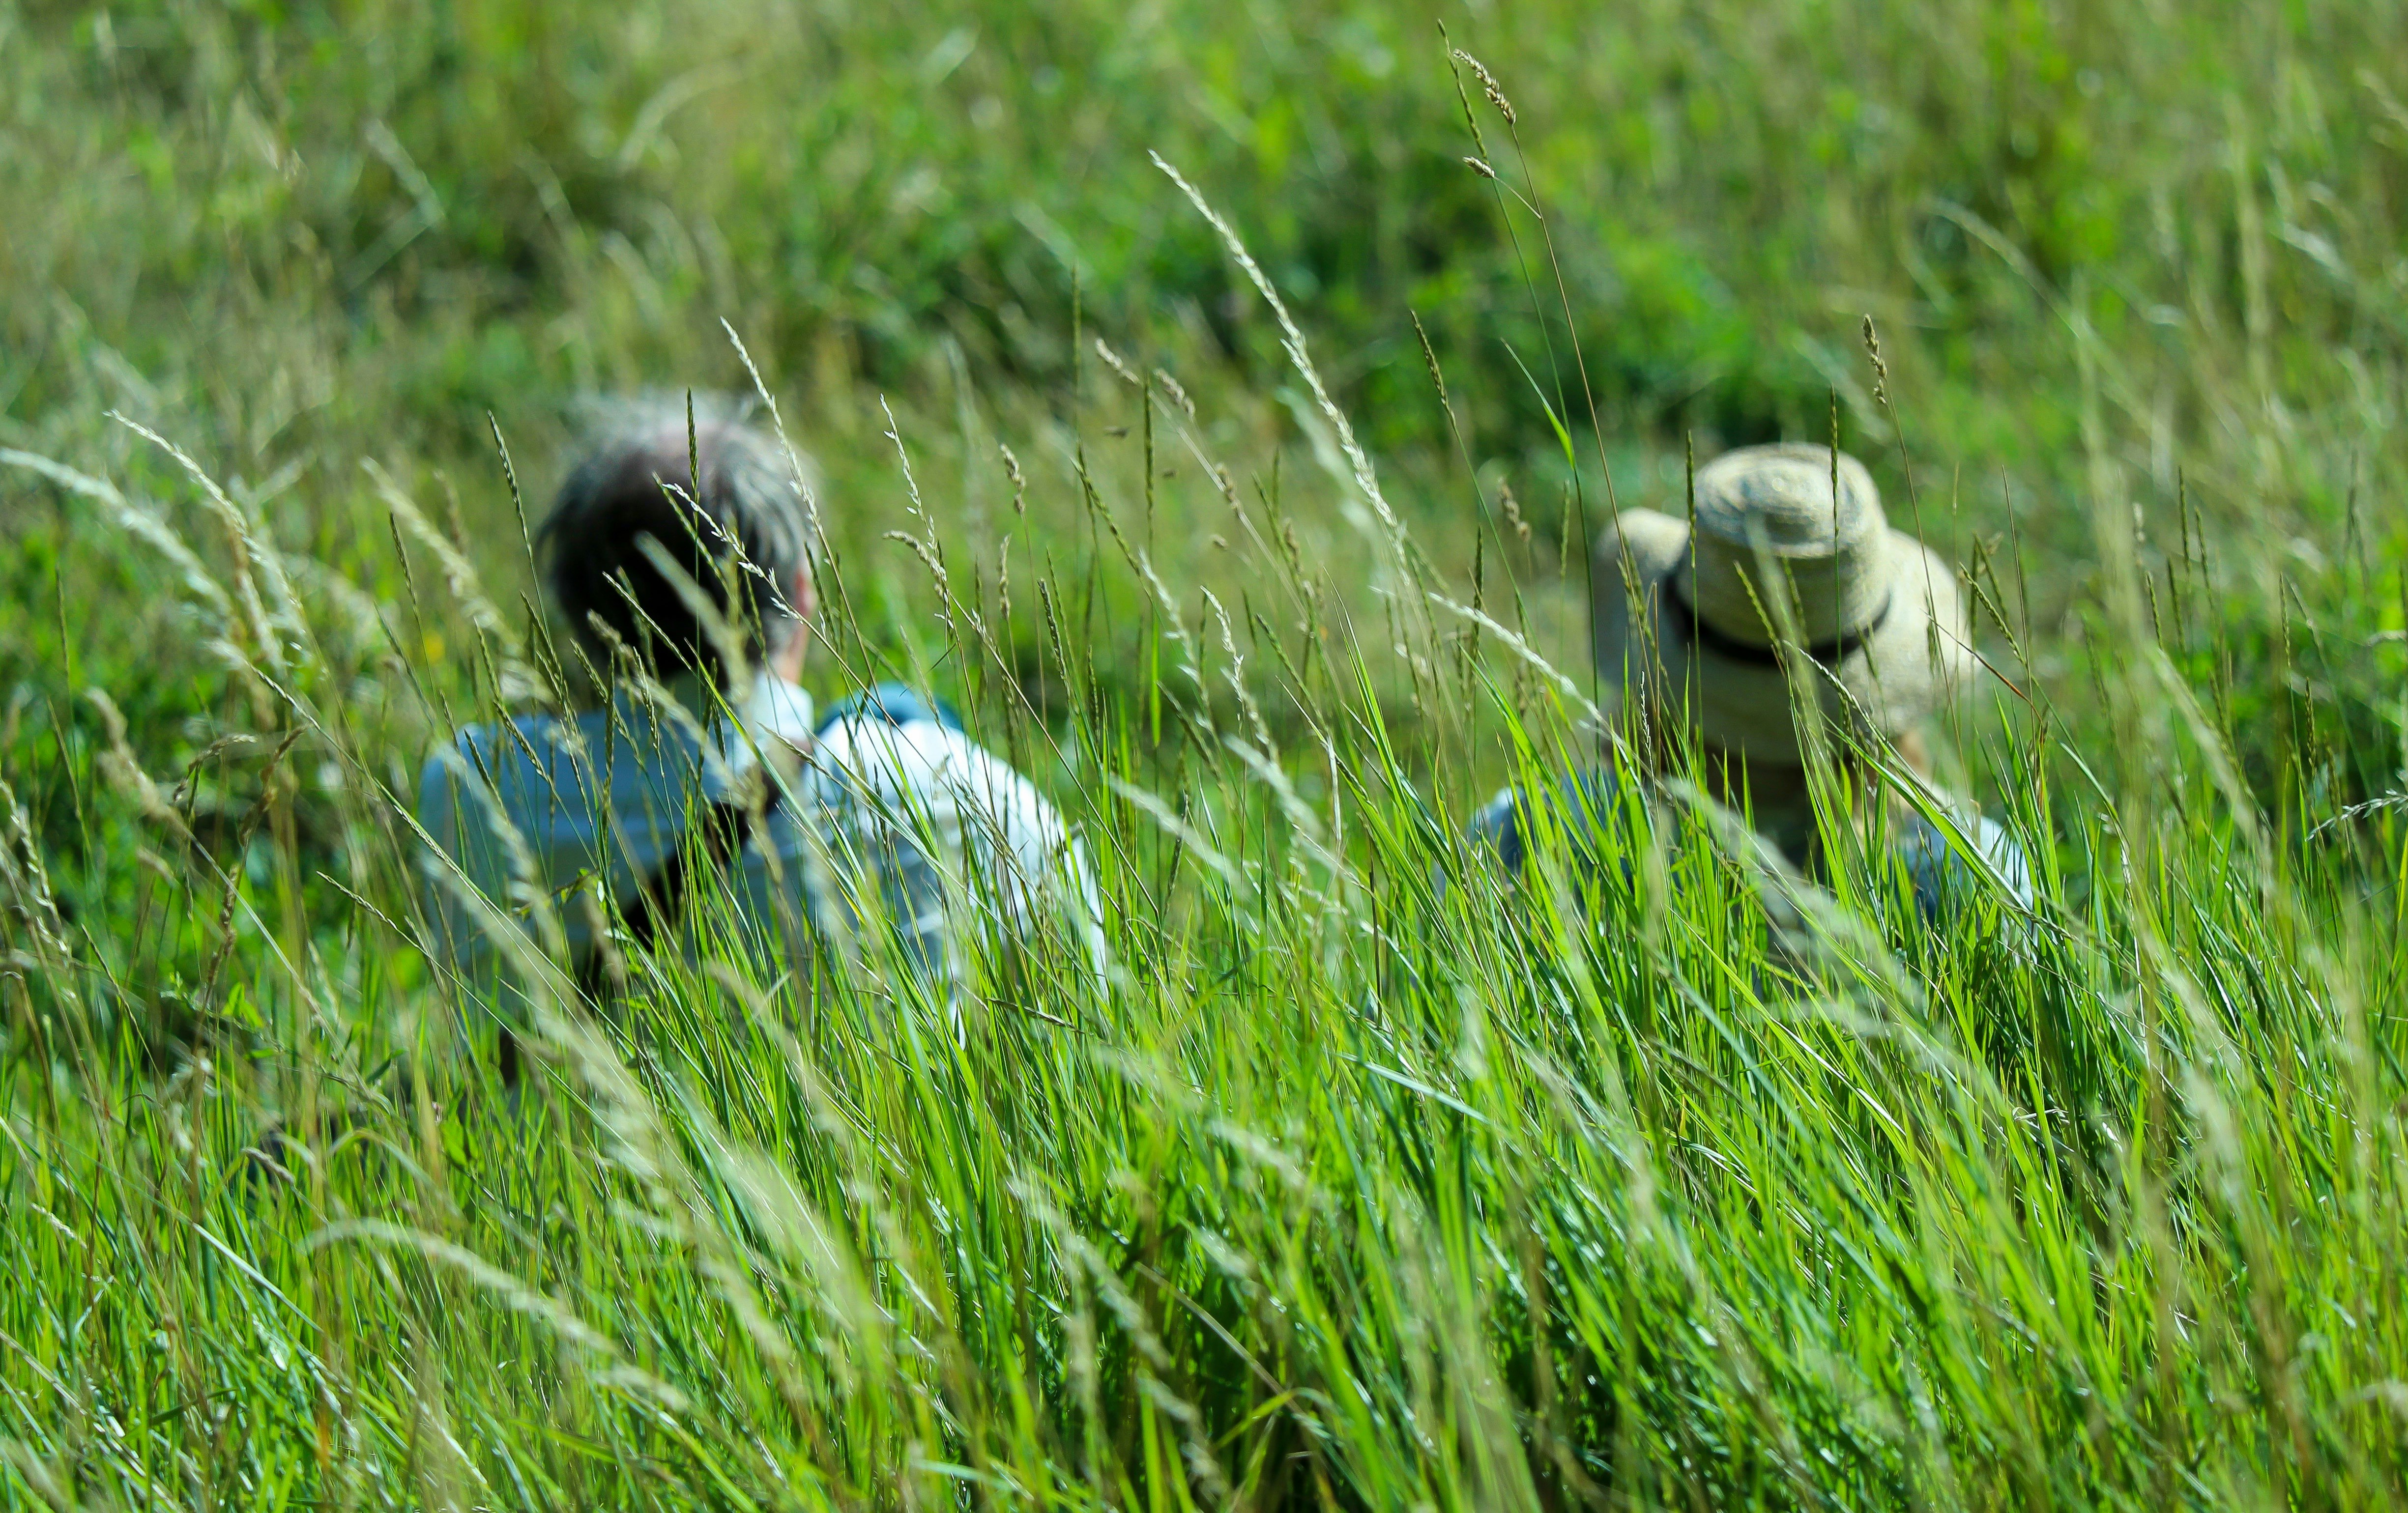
pixel 1878 613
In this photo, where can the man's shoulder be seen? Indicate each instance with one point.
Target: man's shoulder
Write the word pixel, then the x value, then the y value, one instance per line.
pixel 1942 868
pixel 871 744
pixel 497 753
pixel 923 760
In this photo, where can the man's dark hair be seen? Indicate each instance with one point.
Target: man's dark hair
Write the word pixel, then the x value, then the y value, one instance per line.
pixel 742 523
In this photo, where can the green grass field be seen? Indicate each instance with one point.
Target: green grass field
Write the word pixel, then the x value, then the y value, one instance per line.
pixel 1371 1181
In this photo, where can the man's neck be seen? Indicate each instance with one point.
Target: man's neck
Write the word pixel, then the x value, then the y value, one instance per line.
pixel 1775 797
pixel 1779 799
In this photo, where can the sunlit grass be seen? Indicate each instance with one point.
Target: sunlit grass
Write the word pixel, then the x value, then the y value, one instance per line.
pixel 1370 1178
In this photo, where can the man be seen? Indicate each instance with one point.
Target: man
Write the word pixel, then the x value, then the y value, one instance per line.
pixel 1684 629
pixel 681 560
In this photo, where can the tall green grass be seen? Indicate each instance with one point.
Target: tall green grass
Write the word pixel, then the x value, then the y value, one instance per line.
pixel 1370 1179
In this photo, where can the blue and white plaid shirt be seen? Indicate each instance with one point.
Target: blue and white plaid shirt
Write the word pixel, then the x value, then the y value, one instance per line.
pixel 890 817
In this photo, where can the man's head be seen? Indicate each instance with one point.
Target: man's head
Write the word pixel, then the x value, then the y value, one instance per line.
pixel 721 501
pixel 1687 610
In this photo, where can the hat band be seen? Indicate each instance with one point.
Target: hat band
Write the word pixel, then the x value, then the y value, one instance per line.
pixel 1730 647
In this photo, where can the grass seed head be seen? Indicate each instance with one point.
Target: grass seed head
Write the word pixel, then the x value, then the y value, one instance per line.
pixel 1488 85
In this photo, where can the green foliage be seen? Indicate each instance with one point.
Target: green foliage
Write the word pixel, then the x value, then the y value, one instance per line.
pixel 1370 1179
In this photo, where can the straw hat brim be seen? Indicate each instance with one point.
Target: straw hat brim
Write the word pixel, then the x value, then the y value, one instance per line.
pixel 1918 656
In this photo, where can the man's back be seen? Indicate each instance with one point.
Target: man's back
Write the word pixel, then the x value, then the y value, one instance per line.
pixel 896 823
pixel 1940 875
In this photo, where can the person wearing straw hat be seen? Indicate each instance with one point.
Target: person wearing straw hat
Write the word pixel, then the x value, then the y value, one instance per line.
pixel 680 551
pixel 1690 641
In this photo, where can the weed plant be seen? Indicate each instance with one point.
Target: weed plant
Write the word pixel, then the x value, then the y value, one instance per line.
pixel 1370 1178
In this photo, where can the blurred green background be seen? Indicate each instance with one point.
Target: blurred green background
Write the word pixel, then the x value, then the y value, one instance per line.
pixel 2118 254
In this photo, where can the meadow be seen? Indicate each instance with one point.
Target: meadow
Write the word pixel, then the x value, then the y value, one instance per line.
pixel 1372 1178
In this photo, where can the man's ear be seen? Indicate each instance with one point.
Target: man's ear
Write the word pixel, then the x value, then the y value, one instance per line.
pixel 787 661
